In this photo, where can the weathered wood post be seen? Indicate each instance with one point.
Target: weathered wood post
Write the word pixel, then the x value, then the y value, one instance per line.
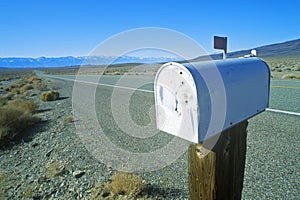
pixel 202 169
pixel 219 173
pixel 209 103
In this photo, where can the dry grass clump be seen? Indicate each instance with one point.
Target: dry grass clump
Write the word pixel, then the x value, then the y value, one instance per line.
pixel 290 76
pixel 15 116
pixel 5 79
pixel 17 84
pixel 15 91
pixel 69 119
pixel 51 95
pixel 3 101
pixel 121 184
pixel 11 87
pixel 16 110
pixel 125 183
pixel 40 86
pixel 55 168
pixel 9 96
pixel 14 120
pixel 2 176
pixel 25 88
pixel 34 79
pixel 36 83
pixel 24 84
pixel 19 87
pixel 26 105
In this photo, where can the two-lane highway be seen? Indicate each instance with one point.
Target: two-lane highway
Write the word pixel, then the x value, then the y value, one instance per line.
pixel 284 94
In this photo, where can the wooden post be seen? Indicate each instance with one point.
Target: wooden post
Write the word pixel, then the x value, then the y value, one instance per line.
pixel 219 173
pixel 202 164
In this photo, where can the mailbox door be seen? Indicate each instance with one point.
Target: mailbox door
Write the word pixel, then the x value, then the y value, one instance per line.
pixel 176 102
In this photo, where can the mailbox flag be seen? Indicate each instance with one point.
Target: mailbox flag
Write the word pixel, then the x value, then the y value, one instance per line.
pixel 220 43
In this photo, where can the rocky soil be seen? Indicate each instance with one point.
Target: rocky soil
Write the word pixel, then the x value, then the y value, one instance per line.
pixel 49 161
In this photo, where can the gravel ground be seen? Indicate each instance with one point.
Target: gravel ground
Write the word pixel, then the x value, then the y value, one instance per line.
pixel 42 164
pixel 272 164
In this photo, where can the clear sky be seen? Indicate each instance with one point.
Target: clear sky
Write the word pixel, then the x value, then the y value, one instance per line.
pixel 34 28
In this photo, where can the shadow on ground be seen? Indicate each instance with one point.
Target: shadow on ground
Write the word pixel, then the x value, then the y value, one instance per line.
pixel 154 191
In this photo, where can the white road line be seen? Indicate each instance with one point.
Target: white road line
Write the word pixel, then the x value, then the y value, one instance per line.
pixel 102 84
pixel 276 80
pixel 283 112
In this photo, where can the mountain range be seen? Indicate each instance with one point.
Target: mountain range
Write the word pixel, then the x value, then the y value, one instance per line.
pixel 279 50
pixel 15 62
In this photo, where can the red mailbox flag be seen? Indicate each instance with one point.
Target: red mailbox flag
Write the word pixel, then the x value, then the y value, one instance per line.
pixel 220 43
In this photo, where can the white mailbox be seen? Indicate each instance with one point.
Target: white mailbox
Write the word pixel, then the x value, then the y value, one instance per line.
pixel 196 101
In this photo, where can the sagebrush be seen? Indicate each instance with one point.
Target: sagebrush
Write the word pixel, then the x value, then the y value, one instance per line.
pixel 14 121
pixel 69 119
pixel 126 183
pixel 51 95
pixel 26 105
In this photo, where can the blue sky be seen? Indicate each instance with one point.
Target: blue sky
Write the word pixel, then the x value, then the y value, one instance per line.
pixel 34 28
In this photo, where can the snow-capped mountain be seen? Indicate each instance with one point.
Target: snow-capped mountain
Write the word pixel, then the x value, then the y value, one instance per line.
pixel 15 62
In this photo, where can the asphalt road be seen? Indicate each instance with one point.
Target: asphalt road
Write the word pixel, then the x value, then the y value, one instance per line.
pixel 273 141
pixel 284 94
